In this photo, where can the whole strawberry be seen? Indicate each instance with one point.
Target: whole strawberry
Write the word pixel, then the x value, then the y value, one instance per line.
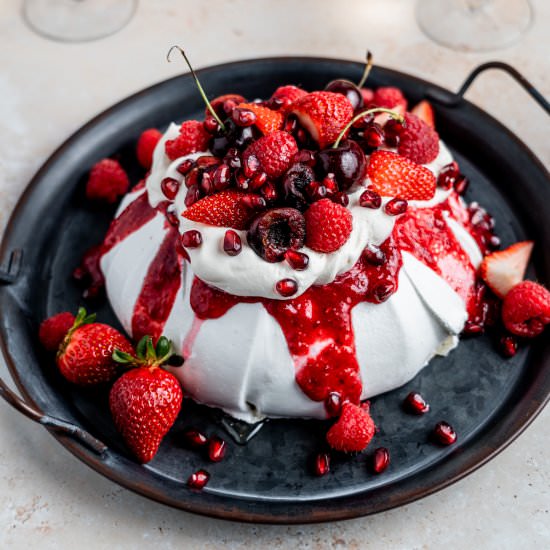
pixel 353 430
pixel 526 309
pixel 85 354
pixel 146 400
pixel 274 152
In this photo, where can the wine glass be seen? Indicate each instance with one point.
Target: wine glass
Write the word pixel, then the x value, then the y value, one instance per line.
pixel 474 25
pixel 77 20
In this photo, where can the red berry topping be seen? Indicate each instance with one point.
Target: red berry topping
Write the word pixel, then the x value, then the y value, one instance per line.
pixel 396 207
pixel 333 403
pixel 232 243
pixel 267 120
pixel 146 145
pixel 393 175
pixel 286 287
pixel 224 209
pixel 526 309
pixel 416 404
pixel 370 199
pixel 287 95
pixel 324 115
pixel 191 139
pixel 217 448
pixel 198 480
pixel 145 402
pixel 380 460
pixel 297 260
pixel 170 188
pixel 194 439
pixel 274 153
pixel 191 239
pixel 508 346
pixel 424 111
pixel 53 330
pixel 107 181
pixel 418 141
pixel 353 431
pixel 328 225
pixel 322 464
pixel 391 98
pixel 444 433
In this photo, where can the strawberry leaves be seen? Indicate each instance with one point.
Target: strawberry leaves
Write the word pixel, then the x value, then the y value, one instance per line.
pixel 147 354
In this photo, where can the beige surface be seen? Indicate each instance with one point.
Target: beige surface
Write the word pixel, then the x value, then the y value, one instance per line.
pixel 48 90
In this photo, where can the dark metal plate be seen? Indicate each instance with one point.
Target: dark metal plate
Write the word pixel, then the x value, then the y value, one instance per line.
pixel 488 400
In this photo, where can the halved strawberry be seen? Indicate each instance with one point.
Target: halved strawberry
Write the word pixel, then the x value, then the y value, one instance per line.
pixel 267 120
pixel 393 175
pixel 504 269
pixel 424 111
pixel 224 209
pixel 324 115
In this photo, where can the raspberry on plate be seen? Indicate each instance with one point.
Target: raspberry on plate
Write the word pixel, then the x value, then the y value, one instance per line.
pixel 328 225
pixel 146 146
pixel 526 309
pixel 353 431
pixel 107 181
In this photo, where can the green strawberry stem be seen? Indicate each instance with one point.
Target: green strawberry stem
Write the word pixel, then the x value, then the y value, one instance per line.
pixel 366 72
pixel 201 90
pixel 394 114
pixel 82 318
pixel 146 353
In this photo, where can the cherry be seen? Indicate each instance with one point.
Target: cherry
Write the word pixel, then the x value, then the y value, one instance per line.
pixel 295 183
pixel 347 162
pixel 275 231
pixel 347 89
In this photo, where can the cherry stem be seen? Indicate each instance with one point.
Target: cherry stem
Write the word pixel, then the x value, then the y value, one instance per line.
pixel 201 90
pixel 366 72
pixel 393 114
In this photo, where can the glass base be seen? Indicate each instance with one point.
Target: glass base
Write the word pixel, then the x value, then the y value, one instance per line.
pixel 77 20
pixel 474 25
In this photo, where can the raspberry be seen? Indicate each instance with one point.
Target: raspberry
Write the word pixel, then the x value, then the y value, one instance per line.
pixel 274 153
pixel 368 95
pixel 328 225
pixel 390 98
pixel 418 141
pixel 192 139
pixel 353 431
pixel 526 309
pixel 107 181
pixel 146 145
pixel 53 330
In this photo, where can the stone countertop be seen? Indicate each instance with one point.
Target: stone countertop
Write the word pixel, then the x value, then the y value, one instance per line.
pixel 48 90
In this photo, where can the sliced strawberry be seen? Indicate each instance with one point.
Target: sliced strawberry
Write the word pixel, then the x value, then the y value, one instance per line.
pixel 267 120
pixel 393 175
pixel 353 431
pixel 424 111
pixel 504 269
pixel 224 209
pixel 324 115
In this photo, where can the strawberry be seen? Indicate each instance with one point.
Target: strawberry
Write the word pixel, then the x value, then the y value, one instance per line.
pixel 324 115
pixel 53 330
pixel 146 400
pixel 146 146
pixel 424 111
pixel 288 95
pixel 224 209
pixel 274 153
pixel 84 356
pixel 267 120
pixel 392 175
pixel 328 226
pixel 418 141
pixel 526 309
pixel 391 98
pixel 353 431
pixel 107 181
pixel 504 269
pixel 191 139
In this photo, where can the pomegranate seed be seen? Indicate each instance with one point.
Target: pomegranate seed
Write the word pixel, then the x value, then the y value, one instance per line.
pixel 380 460
pixel 269 191
pixel 393 128
pixel 364 121
pixel 217 448
pixel 198 479
pixel 322 464
pixel 461 185
pixel 193 195
pixel 254 202
pixel 447 176
pixel 185 166
pixel 373 255
pixel 251 166
pixel 396 207
pixel 508 346
pixel 232 158
pixel 471 328
pixel 211 125
pixel 172 216
pixel 207 184
pixel 316 191
pixel 370 199
pixel 330 183
pixel 286 287
pixel 195 439
pixel 416 404
pixel 291 123
pixel 341 198
pixel 297 260
pixel 191 239
pixel 258 180
pixel 232 243
pixel 274 103
pixel 305 156
pixel 383 291
pixel 333 403
pixel 301 136
pixel 243 117
pixel 374 135
pixel 207 160
pixel 193 177
pixel 170 187
pixel 444 433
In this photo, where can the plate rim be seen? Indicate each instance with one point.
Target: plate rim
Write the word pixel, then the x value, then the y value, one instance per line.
pixel 101 465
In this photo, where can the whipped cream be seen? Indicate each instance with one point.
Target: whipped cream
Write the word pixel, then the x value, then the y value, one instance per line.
pixel 247 274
